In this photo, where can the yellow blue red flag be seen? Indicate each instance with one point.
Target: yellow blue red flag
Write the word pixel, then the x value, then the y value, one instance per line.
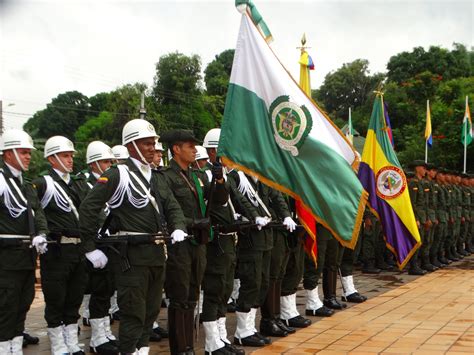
pixel 383 178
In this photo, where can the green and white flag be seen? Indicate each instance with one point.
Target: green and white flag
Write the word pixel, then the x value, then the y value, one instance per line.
pixel 466 132
pixel 273 130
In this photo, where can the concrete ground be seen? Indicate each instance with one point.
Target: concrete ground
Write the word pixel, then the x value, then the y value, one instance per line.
pixel 432 314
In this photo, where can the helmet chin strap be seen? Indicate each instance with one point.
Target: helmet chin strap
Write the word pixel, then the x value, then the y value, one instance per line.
pixel 19 161
pixel 142 158
pixel 98 167
pixel 66 170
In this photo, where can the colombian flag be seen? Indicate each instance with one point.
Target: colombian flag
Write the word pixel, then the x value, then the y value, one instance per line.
pixel 428 134
pixel 382 176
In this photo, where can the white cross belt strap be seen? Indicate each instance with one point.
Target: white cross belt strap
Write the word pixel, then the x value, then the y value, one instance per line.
pixel 148 194
pixel 246 188
pixel 14 236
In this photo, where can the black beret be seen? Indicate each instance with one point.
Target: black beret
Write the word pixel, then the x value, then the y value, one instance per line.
pixel 178 135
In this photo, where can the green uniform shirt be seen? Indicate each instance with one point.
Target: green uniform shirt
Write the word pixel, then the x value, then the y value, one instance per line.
pixel 181 181
pixel 22 257
pixel 442 211
pixel 127 217
pixel 275 203
pixel 419 190
pixel 433 197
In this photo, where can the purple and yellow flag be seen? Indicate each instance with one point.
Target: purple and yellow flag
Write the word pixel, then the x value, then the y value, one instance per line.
pixel 383 178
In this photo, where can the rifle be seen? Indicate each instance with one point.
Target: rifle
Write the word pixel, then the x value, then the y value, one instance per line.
pixel 124 240
pixel 247 225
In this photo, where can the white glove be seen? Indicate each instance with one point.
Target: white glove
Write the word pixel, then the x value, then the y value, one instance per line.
pixel 178 236
pixel 237 216
pixel 40 243
pixel 261 222
pixel 97 258
pixel 289 224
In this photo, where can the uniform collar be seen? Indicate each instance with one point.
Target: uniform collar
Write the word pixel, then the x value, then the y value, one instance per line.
pixel 144 169
pixel 176 167
pixel 66 177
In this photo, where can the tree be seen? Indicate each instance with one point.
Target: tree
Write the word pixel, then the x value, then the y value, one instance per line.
pixel 178 94
pixel 217 73
pixel 348 86
pixel 439 61
pixel 62 116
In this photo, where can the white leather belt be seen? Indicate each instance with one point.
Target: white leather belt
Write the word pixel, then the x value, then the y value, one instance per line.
pixel 14 236
pixel 70 240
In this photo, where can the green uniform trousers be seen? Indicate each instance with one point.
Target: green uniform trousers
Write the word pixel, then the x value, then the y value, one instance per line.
pixel 294 268
pixel 63 282
pixel 328 248
pixel 139 291
pixel 17 290
pixel 218 278
pixel 254 275
pixel 184 274
pixel 101 288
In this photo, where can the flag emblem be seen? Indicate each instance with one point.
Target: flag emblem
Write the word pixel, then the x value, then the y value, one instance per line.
pixel 391 182
pixel 291 124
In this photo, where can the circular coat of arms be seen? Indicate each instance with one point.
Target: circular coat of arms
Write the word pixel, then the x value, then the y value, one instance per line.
pixel 391 182
pixel 291 124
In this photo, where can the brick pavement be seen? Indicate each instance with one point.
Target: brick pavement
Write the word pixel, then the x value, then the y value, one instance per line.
pixel 433 314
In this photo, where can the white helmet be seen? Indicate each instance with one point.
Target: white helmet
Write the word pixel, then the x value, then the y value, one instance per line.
pixel 120 152
pixel 16 138
pixel 211 140
pixel 201 153
pixel 137 129
pixel 57 144
pixel 158 146
pixel 98 150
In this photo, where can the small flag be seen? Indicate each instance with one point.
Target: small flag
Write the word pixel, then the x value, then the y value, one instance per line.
pixel 467 129
pixel 428 134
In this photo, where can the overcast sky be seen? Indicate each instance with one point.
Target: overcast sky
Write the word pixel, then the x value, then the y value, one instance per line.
pixel 49 47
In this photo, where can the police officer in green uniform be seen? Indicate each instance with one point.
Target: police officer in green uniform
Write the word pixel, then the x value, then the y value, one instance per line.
pixel 21 217
pixel 419 201
pixel 371 231
pixel 187 260
pixel 100 288
pixel 293 276
pixel 433 214
pixel 140 202
pixel 438 251
pixel 254 250
pixel 221 257
pixel 63 273
pixel 456 212
pixel 463 181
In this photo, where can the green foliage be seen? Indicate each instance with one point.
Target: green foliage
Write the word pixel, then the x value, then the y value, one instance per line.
pixel 62 116
pixel 346 87
pixel 95 128
pixel 217 73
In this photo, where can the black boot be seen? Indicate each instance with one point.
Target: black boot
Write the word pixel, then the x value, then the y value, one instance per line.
pixel 29 340
pixel 162 332
pixel 177 331
pixel 355 297
pixel 320 312
pixel 252 340
pixel 269 327
pixel 297 322
pixel 415 269
pixel 108 348
pixel 426 265
pixel 282 325
pixel 233 349
pixel 369 268
pixel 329 290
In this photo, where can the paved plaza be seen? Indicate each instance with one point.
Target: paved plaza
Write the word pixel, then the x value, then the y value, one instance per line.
pixel 432 314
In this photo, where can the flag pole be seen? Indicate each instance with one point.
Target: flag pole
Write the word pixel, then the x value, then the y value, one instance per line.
pixel 465 140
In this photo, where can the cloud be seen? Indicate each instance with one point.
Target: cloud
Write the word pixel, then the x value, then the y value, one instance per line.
pixel 49 47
